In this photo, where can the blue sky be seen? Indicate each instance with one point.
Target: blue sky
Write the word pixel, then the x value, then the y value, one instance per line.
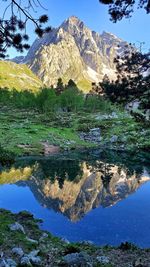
pixel 95 16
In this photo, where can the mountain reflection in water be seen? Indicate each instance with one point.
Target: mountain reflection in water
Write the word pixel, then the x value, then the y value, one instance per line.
pixel 75 185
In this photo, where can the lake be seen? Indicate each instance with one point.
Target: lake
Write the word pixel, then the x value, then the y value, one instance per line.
pixel 101 196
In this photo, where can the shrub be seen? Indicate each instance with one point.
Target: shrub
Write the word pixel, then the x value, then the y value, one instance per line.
pixel 72 99
pixel 6 157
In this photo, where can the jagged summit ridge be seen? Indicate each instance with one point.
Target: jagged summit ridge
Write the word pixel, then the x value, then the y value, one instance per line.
pixel 73 20
pixel 73 51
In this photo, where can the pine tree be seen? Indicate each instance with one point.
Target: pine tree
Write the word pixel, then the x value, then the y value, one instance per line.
pixel 13 28
pixel 124 8
pixel 60 86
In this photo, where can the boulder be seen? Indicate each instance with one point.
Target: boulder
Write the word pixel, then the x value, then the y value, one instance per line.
pixel 43 237
pixel 7 263
pixel 138 263
pixel 25 261
pixel 18 252
pixel 33 253
pixel 65 240
pixel 114 115
pixel 103 259
pixel 34 258
pixel 36 261
pixel 11 263
pixel 17 227
pixel 114 139
pixel 78 259
pixel 3 263
pixel 94 135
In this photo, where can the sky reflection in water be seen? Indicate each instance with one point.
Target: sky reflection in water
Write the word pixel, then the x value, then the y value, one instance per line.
pixel 102 198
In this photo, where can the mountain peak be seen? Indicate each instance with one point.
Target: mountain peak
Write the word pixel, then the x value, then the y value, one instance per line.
pixel 72 21
pixel 74 51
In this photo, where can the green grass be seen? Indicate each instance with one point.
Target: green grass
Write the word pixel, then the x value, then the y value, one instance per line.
pixel 19 77
pixel 24 131
pixel 31 129
pixel 10 238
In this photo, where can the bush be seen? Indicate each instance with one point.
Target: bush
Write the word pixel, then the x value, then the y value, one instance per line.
pixel 48 101
pixel 6 157
pixel 72 99
pixel 98 103
pixel 127 246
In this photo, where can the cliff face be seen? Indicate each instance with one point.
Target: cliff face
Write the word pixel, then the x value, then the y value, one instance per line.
pixel 73 51
pixel 59 59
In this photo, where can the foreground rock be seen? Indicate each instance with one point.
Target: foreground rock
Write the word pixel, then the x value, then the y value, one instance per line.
pixel 50 149
pixel 16 231
pixel 93 136
pixel 78 259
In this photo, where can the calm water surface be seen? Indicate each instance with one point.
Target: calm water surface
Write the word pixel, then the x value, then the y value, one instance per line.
pixel 97 196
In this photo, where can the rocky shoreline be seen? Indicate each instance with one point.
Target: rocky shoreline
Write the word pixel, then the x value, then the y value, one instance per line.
pixel 23 243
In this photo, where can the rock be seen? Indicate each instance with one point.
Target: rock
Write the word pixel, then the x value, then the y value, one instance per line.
pixel 78 259
pixel 94 135
pixel 18 252
pixel 25 261
pixel 83 51
pixel 32 240
pixel 36 261
pixel 133 105
pixel 33 253
pixel 147 115
pixel 95 130
pixel 43 237
pixel 138 263
pixel 7 263
pixel 1 254
pixel 33 258
pixel 65 240
pixel 114 139
pixel 114 115
pixel 103 259
pixel 11 263
pixel 3 263
pixel 70 143
pixel 17 227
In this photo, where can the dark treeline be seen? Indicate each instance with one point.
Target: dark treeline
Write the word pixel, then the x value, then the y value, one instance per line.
pixel 51 100
pixel 133 81
pixel 125 90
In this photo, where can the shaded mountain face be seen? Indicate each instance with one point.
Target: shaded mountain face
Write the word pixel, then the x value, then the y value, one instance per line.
pixel 73 51
pixel 75 187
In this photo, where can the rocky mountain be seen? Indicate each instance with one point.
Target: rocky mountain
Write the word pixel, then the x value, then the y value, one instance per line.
pixel 19 77
pixel 83 189
pixel 75 200
pixel 73 51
